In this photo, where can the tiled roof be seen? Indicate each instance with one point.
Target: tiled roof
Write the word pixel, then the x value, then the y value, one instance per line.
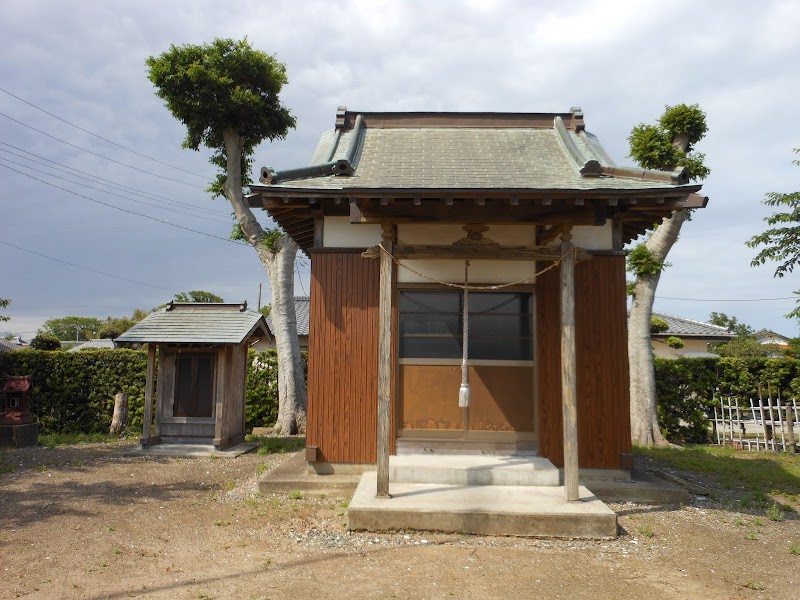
pixel 467 158
pixel 302 304
pixel 6 345
pixel 687 328
pixel 529 167
pixel 193 323
pixel 766 334
pixel 96 344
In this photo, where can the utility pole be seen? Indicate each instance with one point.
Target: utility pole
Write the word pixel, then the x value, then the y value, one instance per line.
pixel 259 297
pixel 77 333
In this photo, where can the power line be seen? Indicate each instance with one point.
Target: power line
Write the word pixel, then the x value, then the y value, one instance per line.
pixel 91 187
pixel 100 155
pixel 126 210
pixel 49 163
pixel 101 137
pixel 71 264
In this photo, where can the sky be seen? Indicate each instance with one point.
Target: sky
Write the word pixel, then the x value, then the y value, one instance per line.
pixel 158 232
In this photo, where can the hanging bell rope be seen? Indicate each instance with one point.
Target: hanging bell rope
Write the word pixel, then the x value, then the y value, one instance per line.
pixel 463 392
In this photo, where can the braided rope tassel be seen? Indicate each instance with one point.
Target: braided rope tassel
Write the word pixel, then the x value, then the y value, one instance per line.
pixel 463 392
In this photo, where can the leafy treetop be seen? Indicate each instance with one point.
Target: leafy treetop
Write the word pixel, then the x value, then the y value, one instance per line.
pixel 197 296
pixel 781 242
pixel 656 147
pixel 223 85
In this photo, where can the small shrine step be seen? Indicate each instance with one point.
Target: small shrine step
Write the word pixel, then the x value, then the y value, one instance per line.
pixel 471 469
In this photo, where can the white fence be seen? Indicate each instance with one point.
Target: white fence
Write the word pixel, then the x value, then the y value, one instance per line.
pixel 765 424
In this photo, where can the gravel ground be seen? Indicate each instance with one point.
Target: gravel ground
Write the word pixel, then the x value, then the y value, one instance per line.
pixel 88 522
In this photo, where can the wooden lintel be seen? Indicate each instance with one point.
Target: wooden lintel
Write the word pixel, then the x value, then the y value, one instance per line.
pixel 550 234
pixel 475 252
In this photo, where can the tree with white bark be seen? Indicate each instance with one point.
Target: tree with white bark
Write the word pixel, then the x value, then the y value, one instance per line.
pixel 667 146
pixel 227 95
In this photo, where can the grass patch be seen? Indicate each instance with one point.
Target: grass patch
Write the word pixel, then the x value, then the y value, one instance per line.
pixel 794 549
pixel 761 473
pixel 774 513
pixel 295 495
pixel 645 530
pixel 277 445
pixel 51 440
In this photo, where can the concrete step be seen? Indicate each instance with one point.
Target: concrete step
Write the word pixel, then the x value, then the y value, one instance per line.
pixel 470 469
pixel 484 510
pixel 416 446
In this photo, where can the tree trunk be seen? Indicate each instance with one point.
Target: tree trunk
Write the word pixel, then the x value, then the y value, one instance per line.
pixel 645 430
pixel 278 262
pixel 291 373
pixel 119 421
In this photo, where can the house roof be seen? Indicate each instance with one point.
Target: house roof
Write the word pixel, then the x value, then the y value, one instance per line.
pixel 196 323
pixel 302 305
pixel 7 345
pixel 766 334
pixel 688 328
pixel 502 166
pixel 96 344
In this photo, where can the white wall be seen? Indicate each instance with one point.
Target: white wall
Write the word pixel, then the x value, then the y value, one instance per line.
pixel 661 350
pixel 338 232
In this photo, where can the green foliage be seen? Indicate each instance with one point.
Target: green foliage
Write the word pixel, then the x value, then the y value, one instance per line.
pixel 630 286
pixel 73 392
pixel 641 262
pixel 654 146
pixel 72 328
pixel 747 346
pixel 261 408
pixel 266 310
pixel 45 341
pixel 781 240
pixel 674 342
pixel 658 325
pixel 685 119
pixel 4 302
pixel 277 445
pixel 223 85
pixel 774 513
pixel 197 296
pixel 115 327
pixel 688 389
pixel 732 324
pixel 271 238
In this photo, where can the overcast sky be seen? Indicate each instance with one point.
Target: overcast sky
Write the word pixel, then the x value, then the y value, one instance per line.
pixel 622 62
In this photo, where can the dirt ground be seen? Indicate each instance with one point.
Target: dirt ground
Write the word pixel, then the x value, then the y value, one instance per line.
pixel 87 522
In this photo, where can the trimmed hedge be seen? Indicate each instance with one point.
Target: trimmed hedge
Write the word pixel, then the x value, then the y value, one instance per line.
pixel 73 392
pixel 689 388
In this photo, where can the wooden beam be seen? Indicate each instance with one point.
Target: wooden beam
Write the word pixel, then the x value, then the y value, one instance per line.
pixel 569 398
pixel 474 252
pixel 385 360
pixel 551 233
pixel 148 394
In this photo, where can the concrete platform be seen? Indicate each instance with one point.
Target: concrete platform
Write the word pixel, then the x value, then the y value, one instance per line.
pixel 531 511
pixel 643 488
pixel 191 450
pixel 294 475
pixel 471 469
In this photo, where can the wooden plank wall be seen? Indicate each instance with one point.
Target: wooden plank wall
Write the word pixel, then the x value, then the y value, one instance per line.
pixel 343 358
pixel 602 363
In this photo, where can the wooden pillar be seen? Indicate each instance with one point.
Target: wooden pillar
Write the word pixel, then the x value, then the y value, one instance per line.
pixel 385 360
pixel 220 391
pixel 148 394
pixel 569 398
